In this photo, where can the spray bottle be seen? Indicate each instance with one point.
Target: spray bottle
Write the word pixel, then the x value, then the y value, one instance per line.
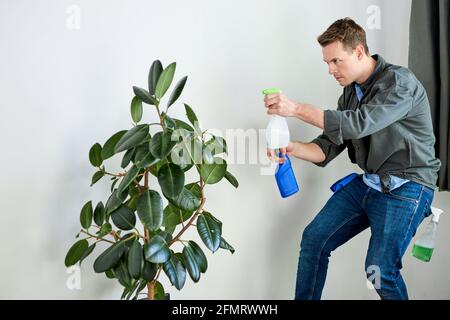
pixel 277 136
pixel 424 246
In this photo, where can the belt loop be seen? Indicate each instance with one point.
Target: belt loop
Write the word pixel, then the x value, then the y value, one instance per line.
pixel 385 179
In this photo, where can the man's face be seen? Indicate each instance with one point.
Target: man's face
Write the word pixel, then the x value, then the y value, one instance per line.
pixel 343 65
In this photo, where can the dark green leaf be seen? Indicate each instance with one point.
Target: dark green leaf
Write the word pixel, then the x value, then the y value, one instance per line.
pixel 199 256
pixel 225 245
pixel 159 291
pixel 144 157
pixel 150 209
pixel 153 75
pixel 141 152
pixel 170 230
pixel 110 274
pixel 132 138
pixel 128 179
pixel 104 230
pixel 168 121
pixel 177 91
pixel 99 214
pixel 165 235
pixel 127 158
pixel 124 218
pixel 114 183
pixel 110 144
pixel 132 203
pixel 186 200
pixel 141 287
pixel 210 216
pixel 115 200
pixel 87 252
pixel 147 161
pixel 132 289
pixel 86 215
pixel 183 125
pixel 95 155
pixel 127 237
pixel 190 114
pixel 136 109
pixel 209 232
pixel 144 96
pixel 76 252
pixel 195 189
pixel 149 271
pixel 155 168
pixel 231 179
pixel 96 177
pixel 165 80
pixel 135 259
pixel 191 263
pixel 171 179
pixel 109 257
pixel 122 274
pixel 156 251
pixel 175 271
pixel 173 216
pixel 161 144
pixel 213 173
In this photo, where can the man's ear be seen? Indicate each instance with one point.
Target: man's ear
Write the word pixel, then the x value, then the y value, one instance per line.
pixel 360 51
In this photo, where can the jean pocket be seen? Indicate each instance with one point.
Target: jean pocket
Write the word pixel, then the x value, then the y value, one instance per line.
pixel 410 191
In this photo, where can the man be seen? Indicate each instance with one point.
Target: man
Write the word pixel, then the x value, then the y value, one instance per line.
pixel 383 119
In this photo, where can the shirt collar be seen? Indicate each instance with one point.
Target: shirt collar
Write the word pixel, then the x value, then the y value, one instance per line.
pixel 379 67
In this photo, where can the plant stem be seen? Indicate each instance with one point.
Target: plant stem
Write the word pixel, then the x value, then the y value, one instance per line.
pixel 159 115
pixel 96 237
pixel 157 275
pixel 114 175
pixel 191 221
pixel 151 286
pixel 146 234
pixel 151 290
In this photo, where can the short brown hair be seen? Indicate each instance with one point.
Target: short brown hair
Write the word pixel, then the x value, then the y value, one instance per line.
pixel 346 31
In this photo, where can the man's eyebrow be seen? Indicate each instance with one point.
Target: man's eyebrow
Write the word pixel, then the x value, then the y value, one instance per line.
pixel 334 59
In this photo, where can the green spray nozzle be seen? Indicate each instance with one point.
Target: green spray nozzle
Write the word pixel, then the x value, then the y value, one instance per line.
pixel 271 91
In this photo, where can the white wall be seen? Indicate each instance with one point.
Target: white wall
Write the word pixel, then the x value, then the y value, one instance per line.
pixel 62 90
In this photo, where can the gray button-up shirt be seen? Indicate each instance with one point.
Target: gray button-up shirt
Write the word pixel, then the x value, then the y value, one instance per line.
pixel 388 132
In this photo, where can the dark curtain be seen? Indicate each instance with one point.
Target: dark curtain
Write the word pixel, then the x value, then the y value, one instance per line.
pixel 429 60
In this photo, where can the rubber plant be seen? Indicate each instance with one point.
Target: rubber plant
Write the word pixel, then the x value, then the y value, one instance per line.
pixel 144 228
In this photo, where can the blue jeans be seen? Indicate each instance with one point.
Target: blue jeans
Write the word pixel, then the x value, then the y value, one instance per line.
pixel 393 219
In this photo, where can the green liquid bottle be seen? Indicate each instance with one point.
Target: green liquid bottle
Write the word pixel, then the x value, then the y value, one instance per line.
pixel 424 246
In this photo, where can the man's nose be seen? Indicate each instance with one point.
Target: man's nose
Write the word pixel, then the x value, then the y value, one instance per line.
pixel 331 70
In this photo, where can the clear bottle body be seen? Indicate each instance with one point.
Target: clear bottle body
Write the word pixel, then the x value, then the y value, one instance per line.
pixel 277 133
pixel 424 246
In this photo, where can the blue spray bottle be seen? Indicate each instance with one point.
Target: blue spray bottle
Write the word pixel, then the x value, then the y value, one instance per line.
pixel 277 136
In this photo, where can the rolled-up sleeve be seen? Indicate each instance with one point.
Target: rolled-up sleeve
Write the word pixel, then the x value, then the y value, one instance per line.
pixel 386 107
pixel 329 148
